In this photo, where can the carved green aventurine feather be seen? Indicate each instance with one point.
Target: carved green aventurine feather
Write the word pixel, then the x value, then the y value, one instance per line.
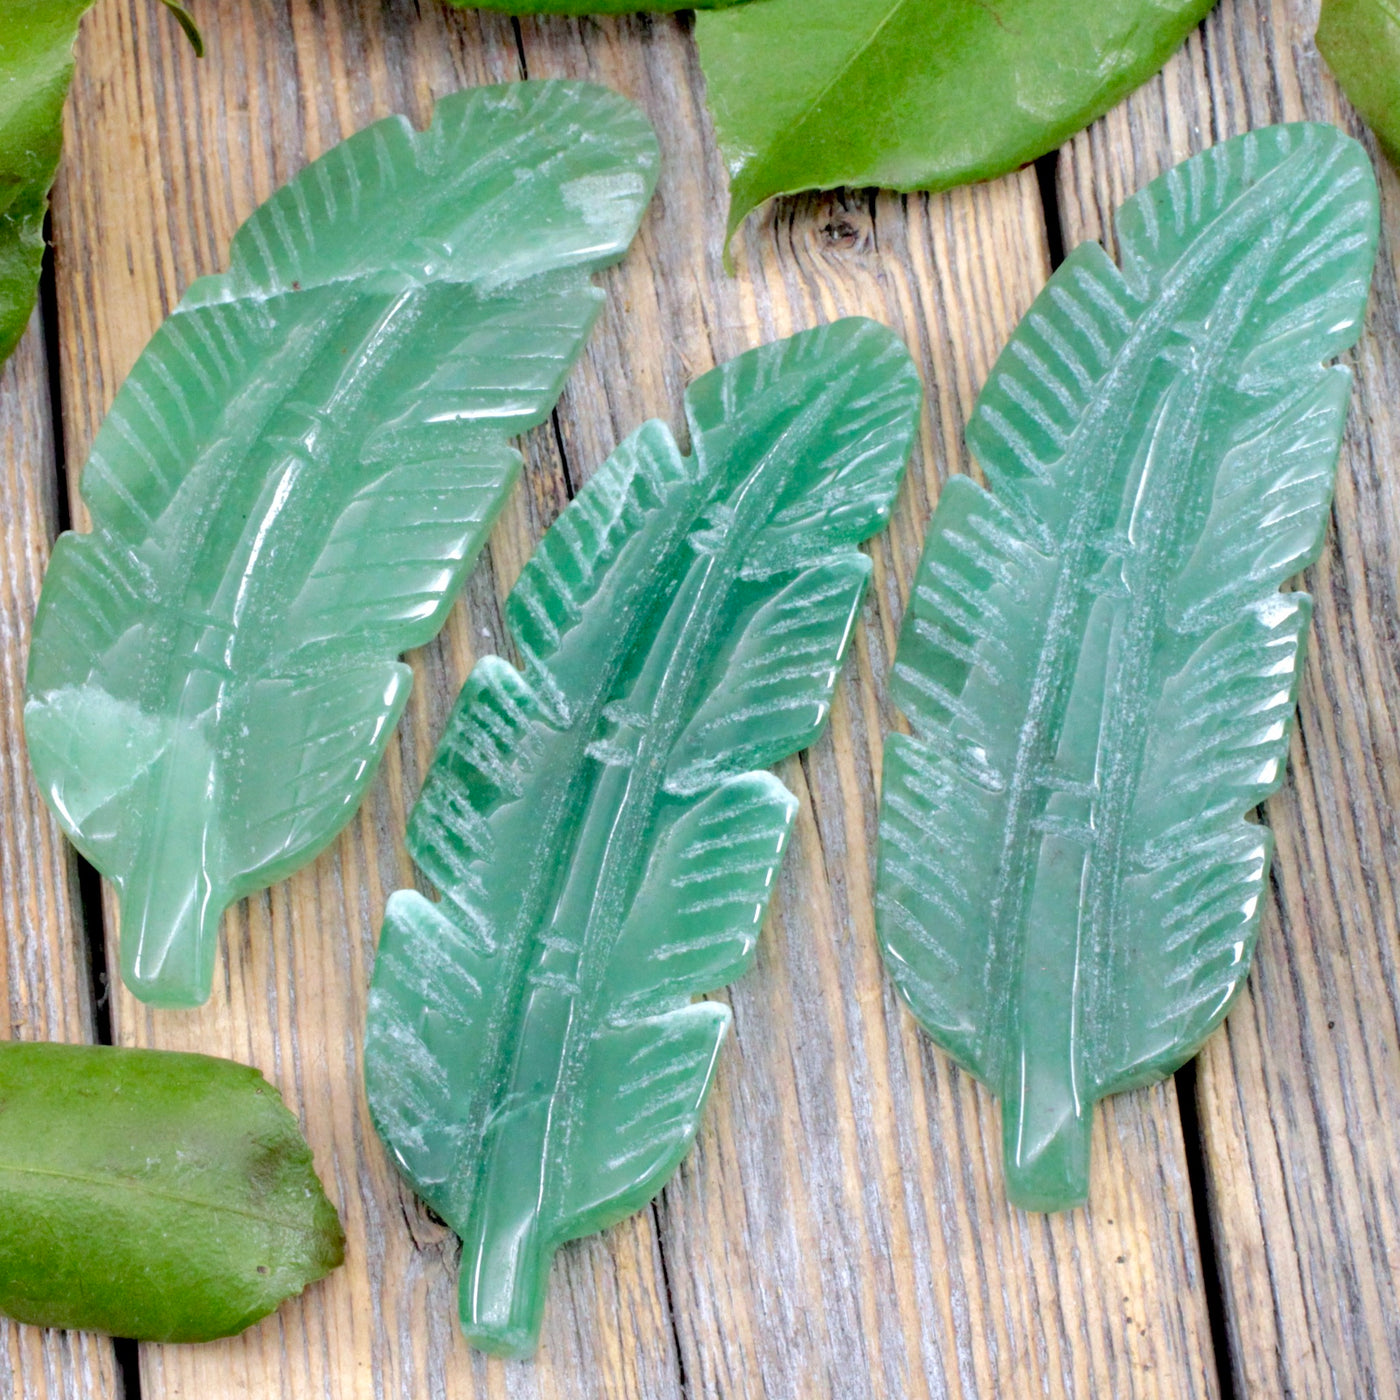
pixel 290 489
pixel 1097 664
pixel 604 848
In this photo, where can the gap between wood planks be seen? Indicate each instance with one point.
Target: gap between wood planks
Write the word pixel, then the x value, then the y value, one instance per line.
pixel 564 457
pixel 90 885
pixel 1046 174
pixel 89 909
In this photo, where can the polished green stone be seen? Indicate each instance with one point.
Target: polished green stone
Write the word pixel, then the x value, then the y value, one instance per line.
pixel 1097 663
pixel 599 825
pixel 291 487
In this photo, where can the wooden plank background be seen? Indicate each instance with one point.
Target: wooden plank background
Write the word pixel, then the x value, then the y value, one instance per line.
pixel 840 1229
pixel 46 990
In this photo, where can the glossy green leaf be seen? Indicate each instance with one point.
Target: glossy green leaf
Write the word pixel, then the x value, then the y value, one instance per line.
pixel 152 1195
pixel 603 843
pixel 912 95
pixel 186 22
pixel 290 489
pixel 1097 664
pixel 592 7
pixel 1360 39
pixel 36 66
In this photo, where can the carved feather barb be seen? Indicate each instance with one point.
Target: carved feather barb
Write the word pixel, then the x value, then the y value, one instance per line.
pixel 290 489
pixel 1097 664
pixel 597 823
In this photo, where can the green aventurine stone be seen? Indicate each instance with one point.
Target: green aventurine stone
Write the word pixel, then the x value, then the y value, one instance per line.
pixel 153 1195
pixel 1097 663
pixel 291 487
pixel 599 825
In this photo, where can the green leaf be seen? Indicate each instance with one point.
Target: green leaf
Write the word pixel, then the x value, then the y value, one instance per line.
pixel 604 848
pixel 152 1195
pixel 36 66
pixel 811 94
pixel 1097 664
pixel 1360 39
pixel 291 487
pixel 186 22
pixel 592 7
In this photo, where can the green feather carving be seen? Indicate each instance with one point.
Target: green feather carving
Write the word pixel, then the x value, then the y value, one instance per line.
pixel 291 487
pixel 604 846
pixel 1097 664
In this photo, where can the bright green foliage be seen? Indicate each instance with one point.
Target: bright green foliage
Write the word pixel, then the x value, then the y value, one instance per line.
pixel 603 844
pixel 913 95
pixel 1360 39
pixel 159 1196
pixel 186 22
pixel 592 7
pixel 291 487
pixel 1097 663
pixel 36 66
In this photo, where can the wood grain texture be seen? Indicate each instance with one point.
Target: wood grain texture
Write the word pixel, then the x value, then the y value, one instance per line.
pixel 1299 1097
pixel 45 980
pixel 167 155
pixel 841 1228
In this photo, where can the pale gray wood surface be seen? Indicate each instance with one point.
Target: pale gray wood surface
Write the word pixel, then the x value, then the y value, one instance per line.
pixel 1299 1096
pixel 842 1214
pixel 45 980
pixel 840 1229
pixel 842 1217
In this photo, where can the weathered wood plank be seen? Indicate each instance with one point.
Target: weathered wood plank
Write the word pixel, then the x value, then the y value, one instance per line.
pixel 166 155
pixel 45 982
pixel 1299 1096
pixel 843 1216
